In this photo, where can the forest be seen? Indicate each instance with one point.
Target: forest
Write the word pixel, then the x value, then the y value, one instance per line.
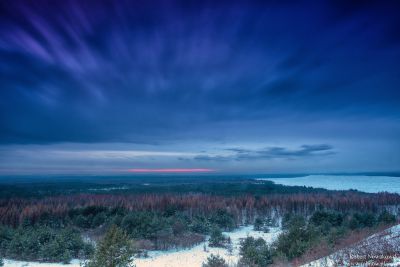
pixel 43 225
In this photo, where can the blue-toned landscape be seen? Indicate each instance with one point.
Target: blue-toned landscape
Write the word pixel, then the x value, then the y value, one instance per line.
pixel 175 133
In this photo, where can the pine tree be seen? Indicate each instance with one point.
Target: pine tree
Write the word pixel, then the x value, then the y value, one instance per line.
pixel 258 224
pixel 217 239
pixel 115 250
pixel 229 246
pixel 215 261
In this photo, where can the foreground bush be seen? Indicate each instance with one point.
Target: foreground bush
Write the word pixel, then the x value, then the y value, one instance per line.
pixel 217 239
pixel 42 243
pixel 114 250
pixel 255 253
pixel 215 261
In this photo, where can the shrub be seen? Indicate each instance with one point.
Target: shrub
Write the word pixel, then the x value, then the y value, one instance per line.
pixel 42 243
pixel 217 239
pixel 296 238
pixel 179 227
pixel 223 219
pixel 262 224
pixel 98 219
pixel 255 252
pixel 361 220
pixel 386 217
pixel 332 218
pixel 258 224
pixel 215 261
pixel 200 225
pixel 145 225
pixel 114 250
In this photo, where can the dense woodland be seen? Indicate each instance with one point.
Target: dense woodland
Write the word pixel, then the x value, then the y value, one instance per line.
pixel 44 226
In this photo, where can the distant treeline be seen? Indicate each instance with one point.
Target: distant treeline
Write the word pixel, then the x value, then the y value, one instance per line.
pixel 216 186
pixel 39 187
pixel 243 208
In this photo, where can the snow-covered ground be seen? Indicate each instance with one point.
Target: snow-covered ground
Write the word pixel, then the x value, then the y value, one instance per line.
pixel 195 256
pixel 380 246
pixel 365 183
pixel 192 257
pixel 12 263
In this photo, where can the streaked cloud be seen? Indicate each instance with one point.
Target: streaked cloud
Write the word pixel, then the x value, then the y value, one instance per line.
pixel 124 71
pixel 115 154
pixel 227 85
pixel 271 153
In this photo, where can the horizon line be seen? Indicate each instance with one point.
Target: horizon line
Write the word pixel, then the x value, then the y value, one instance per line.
pixel 170 170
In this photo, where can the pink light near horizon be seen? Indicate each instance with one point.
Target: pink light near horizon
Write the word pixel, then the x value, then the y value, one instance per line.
pixel 176 170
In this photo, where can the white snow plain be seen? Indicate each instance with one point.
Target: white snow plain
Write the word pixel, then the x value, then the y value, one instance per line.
pixel 364 183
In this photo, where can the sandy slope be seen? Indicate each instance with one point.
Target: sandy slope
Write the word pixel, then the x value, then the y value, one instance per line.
pixel 376 245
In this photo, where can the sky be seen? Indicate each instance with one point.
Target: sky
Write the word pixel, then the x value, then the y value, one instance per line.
pixel 199 86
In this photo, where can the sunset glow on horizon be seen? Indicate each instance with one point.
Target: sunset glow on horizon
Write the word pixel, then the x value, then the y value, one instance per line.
pixel 172 170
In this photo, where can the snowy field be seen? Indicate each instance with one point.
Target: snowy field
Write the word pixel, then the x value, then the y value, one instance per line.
pixel 369 184
pixel 193 257
pixel 11 263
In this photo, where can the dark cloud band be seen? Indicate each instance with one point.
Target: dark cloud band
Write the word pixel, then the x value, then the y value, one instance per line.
pixel 271 153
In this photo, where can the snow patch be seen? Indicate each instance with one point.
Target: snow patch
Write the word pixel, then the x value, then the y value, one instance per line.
pixel 193 257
